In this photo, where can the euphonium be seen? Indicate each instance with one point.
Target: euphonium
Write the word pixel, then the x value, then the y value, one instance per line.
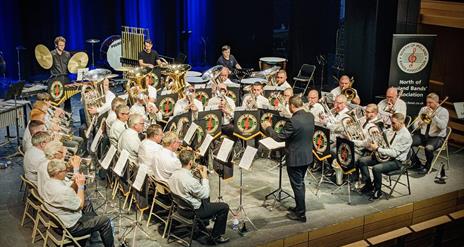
pixel 352 127
pixel 376 136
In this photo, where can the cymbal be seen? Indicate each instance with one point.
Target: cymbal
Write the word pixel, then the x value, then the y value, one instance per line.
pixel 92 41
pixel 96 75
pixel 43 56
pixel 78 61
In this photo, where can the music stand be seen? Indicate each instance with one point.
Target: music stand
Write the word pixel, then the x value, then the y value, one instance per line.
pixel 223 165
pixel 345 158
pixel 13 92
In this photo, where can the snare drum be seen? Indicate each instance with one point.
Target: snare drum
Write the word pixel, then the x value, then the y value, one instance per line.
pixel 268 62
pixel 195 80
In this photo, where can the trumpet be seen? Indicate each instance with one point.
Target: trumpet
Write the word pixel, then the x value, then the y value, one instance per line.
pixel 426 118
pixel 227 107
pixel 251 102
pixel 67 114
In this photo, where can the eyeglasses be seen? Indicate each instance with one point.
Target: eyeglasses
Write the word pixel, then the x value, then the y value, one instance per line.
pixel 124 113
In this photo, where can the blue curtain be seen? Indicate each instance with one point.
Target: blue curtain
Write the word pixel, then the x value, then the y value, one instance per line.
pixel 71 25
pixel 196 20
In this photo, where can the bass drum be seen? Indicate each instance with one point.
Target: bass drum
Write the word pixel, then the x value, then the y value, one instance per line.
pixel 110 50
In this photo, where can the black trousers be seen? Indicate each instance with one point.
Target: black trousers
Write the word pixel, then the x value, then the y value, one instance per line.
pixel 296 174
pixel 90 222
pixel 218 210
pixel 377 169
pixel 430 144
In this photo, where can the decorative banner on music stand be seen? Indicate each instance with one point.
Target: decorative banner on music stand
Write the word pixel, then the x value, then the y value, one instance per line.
pixel 247 124
pixel 203 94
pixel 56 89
pixel 200 134
pixel 178 122
pixel 213 122
pixel 166 103
pixel 278 121
pixel 345 154
pixel 234 92
pixel 271 93
pixel 410 65
pixel 321 142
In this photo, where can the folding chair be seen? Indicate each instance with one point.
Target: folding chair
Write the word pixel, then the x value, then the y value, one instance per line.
pixel 38 217
pixel 57 232
pixel 403 171
pixel 30 203
pixel 161 190
pixel 305 76
pixel 438 152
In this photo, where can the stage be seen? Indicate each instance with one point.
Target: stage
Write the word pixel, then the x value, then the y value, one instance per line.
pixel 272 225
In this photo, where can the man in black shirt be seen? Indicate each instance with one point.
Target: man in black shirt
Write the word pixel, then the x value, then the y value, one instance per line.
pixel 59 69
pixel 228 60
pixel 148 57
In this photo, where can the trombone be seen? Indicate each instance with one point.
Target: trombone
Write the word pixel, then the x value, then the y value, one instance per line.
pixel 426 117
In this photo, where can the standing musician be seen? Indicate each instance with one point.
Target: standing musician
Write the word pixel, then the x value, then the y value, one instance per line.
pixel 228 60
pixel 392 103
pixel 297 134
pixel 313 105
pixel 281 79
pixel 432 134
pixel 398 150
pixel 148 57
pixel 59 69
pixel 255 99
pixel 343 83
pixel 119 125
pixel 189 103
pixel 109 96
pixel 226 105
pixel 182 183
pixel 129 139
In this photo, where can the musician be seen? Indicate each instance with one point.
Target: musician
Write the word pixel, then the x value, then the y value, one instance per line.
pixel 281 79
pixel 339 112
pixel 129 139
pixel 166 161
pixel 152 92
pixel 228 60
pixel 142 107
pixel 343 83
pixel 57 112
pixel 297 134
pixel 224 103
pixel 59 69
pixel 75 212
pixel 109 96
pixel 112 116
pixel 400 145
pixel 392 103
pixel 314 106
pixel 431 135
pixel 150 146
pixel 185 185
pixel 34 156
pixel 33 127
pixel 287 94
pixel 224 75
pixel 256 99
pixel 149 57
pixel 371 119
pixel 119 125
pixel 185 104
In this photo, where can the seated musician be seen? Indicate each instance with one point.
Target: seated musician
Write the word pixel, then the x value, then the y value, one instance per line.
pixel 431 135
pixel 59 69
pixel 398 150
pixel 119 125
pixel 112 114
pixel 148 57
pixel 71 207
pixel 109 96
pixel 344 83
pixel 185 185
pixel 152 92
pixel 55 150
pixel 57 112
pixel 313 105
pixel 392 103
pixel 255 99
pixel 224 76
pixel 143 107
pixel 129 139
pixel 35 156
pixel 225 104
pixel 228 60
pixel 166 161
pixel 33 127
pixel 338 112
pixel 186 105
pixel 281 79
pixel 150 146
pixel 285 108
pixel 371 118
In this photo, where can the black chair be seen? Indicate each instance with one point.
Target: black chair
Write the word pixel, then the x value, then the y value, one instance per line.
pixel 403 171
pixel 184 213
pixel 304 77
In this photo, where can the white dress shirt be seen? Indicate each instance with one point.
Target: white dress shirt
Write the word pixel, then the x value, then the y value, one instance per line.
pixel 130 141
pixel 111 118
pixel 115 131
pixel 166 162
pixel 152 92
pixel 438 124
pixel 148 150
pixel 32 160
pixel 400 145
pixel 214 103
pixel 183 184
pixel 400 106
pixel 337 91
pixel 137 108
pixel 109 96
pixel 285 85
pixel 261 101
pixel 27 143
pixel 181 104
pixel 316 109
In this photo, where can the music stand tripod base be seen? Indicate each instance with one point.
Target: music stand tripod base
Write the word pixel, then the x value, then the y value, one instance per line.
pixel 277 193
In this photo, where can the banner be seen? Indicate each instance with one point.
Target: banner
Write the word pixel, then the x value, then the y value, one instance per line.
pixel 411 61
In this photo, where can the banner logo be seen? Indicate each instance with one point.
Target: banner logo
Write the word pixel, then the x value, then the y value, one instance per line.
pixel 413 58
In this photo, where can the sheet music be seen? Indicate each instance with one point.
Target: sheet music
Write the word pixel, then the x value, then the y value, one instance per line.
pixel 96 139
pixel 205 145
pixel 108 158
pixel 190 132
pixel 121 163
pixel 81 73
pixel 140 178
pixel 459 107
pixel 224 150
pixel 248 157
pixel 271 144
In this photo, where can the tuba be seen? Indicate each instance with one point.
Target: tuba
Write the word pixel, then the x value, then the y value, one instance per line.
pixel 377 136
pixel 176 73
pixel 136 82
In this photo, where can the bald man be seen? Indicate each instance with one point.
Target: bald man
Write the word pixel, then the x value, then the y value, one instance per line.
pixel 313 105
pixel 343 83
pixel 392 103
